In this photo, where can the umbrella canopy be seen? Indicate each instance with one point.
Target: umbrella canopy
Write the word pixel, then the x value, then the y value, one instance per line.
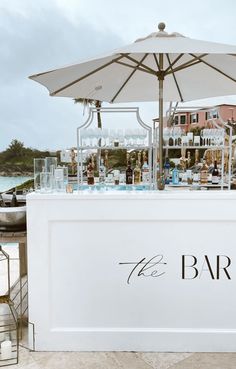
pixel 130 73
pixel 160 67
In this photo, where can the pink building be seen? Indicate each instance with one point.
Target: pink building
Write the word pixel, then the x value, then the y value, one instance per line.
pixel 188 119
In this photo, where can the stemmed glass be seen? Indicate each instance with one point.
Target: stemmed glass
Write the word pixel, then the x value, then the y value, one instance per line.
pixel 203 136
pixel 83 136
pixel 143 136
pixel 128 137
pixel 222 137
pixel 105 137
pixel 220 134
pixel 97 136
pixel 112 136
pixel 213 133
pixel 176 135
pixel 208 136
pixel 120 136
pixel 179 135
pixel 136 133
pixel 171 137
pixel 166 136
pixel 90 137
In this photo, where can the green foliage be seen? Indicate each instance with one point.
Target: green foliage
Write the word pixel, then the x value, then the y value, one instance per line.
pixel 117 159
pixel 19 159
pixel 16 148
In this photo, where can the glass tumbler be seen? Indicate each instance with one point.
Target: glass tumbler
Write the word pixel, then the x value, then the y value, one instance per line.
pixel 65 175
pixel 39 167
pixel 51 164
pixel 46 182
pixel 59 180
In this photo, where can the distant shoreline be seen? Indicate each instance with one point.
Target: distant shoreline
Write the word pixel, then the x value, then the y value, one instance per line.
pixel 16 174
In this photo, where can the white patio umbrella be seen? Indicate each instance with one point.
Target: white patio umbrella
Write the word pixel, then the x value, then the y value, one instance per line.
pixel 160 67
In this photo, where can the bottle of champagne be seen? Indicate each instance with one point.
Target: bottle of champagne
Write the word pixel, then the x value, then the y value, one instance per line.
pixel 215 174
pixel 145 173
pixel 129 174
pixel 167 170
pixel 204 173
pixel 137 174
pixel 102 173
pixel 90 173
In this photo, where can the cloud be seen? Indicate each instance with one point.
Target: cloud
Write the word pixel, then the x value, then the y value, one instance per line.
pixel 35 40
pixel 39 35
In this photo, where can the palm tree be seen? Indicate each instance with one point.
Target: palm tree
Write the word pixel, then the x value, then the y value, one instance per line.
pixel 89 102
pixel 97 104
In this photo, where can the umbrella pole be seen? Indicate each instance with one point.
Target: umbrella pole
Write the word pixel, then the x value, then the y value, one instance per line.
pixel 161 180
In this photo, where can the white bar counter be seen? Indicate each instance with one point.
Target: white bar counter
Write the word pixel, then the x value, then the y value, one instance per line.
pixel 153 271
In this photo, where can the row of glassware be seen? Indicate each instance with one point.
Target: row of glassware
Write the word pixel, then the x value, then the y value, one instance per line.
pixel 48 176
pixel 175 136
pixel 93 137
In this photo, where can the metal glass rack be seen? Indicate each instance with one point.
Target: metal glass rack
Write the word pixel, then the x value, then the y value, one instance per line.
pixel 215 121
pixel 102 144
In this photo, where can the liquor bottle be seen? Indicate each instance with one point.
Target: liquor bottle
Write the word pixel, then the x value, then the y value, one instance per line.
pixel 196 168
pixel 175 176
pixel 137 173
pixel 14 201
pixel 145 173
pixel 127 158
pixel 106 159
pixel 167 171
pixel 102 172
pixel 129 174
pixel 204 173
pixel 90 173
pixel 215 174
pixel 144 157
pixel 196 157
pixel 139 158
pixel 189 174
pixel 188 159
pixel 93 161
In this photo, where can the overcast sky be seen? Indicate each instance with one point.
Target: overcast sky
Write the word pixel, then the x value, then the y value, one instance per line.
pixel 37 35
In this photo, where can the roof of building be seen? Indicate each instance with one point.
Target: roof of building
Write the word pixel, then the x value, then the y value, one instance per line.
pixel 193 109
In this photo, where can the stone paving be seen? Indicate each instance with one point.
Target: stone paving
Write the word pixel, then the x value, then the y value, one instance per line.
pixel 117 360
pixel 124 360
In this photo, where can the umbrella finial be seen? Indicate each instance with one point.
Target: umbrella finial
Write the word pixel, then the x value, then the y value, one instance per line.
pixel 161 26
